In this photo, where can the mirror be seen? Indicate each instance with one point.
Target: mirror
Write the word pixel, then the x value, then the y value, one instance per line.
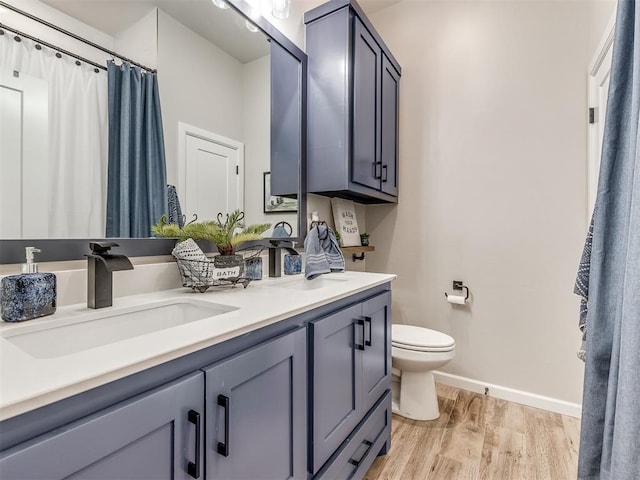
pixel 215 89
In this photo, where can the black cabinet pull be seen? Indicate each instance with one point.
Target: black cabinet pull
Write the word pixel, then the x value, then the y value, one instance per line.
pixel 357 463
pixel 359 346
pixel 368 343
pixel 377 175
pixel 193 468
pixel 223 448
pixel 386 174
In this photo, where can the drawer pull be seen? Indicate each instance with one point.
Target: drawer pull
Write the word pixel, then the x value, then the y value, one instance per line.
pixel 359 346
pixel 357 463
pixel 193 468
pixel 223 448
pixel 368 343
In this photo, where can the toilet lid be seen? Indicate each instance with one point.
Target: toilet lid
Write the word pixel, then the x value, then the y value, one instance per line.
pixel 414 338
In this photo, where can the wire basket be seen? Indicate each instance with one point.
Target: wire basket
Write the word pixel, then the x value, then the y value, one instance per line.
pixel 220 271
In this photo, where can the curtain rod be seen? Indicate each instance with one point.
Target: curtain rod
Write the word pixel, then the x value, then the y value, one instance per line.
pixel 74 36
pixel 47 44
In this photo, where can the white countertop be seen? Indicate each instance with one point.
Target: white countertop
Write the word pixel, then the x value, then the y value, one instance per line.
pixel 27 382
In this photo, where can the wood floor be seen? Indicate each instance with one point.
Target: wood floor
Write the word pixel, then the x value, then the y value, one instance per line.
pixel 480 437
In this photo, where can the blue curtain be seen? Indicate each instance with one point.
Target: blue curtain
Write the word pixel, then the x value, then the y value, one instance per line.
pixel 610 434
pixel 137 178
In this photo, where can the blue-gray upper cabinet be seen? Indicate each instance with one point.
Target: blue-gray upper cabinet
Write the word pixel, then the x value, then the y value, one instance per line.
pixel 154 435
pixel 256 412
pixel 350 355
pixel 286 111
pixel 352 106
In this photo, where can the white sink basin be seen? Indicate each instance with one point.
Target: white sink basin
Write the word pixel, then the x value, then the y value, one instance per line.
pixel 83 330
pixel 301 283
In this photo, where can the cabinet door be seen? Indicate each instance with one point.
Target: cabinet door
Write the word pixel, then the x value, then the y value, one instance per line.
pixel 376 356
pixel 389 122
pixel 286 97
pixel 336 365
pixel 367 63
pixel 152 436
pixel 256 412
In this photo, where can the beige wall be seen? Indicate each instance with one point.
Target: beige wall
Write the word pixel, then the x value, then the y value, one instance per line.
pixel 492 182
pixel 199 85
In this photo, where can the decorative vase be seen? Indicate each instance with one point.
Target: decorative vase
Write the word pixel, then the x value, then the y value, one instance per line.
pixel 364 240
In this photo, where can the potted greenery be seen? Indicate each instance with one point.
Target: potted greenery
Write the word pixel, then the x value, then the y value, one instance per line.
pixel 364 239
pixel 226 233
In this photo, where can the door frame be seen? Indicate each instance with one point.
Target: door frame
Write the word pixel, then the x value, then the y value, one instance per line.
pixel 599 69
pixel 185 129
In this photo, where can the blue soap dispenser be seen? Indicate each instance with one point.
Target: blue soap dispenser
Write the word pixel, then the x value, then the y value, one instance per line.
pixel 28 295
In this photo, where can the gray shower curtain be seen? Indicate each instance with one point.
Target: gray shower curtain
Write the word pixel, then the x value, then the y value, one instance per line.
pixel 137 178
pixel 610 434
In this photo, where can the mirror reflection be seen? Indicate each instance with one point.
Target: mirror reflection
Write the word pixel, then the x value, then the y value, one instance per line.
pixel 213 75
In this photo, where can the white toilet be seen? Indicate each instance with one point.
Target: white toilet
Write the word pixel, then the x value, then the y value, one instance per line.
pixel 415 353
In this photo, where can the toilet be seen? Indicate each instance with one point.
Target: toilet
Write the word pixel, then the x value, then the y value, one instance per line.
pixel 415 353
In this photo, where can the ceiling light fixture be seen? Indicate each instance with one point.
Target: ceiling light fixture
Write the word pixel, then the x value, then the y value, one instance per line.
pixel 250 26
pixel 220 4
pixel 278 8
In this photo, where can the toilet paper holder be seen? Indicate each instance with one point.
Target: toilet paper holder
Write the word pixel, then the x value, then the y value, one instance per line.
pixel 459 285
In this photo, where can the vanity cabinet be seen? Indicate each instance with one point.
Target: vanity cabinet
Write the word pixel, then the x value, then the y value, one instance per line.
pixel 353 106
pixel 305 397
pixel 253 411
pixel 154 435
pixel 350 368
pixel 256 412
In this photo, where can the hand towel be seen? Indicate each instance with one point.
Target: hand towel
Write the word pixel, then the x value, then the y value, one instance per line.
pixel 581 288
pixel 196 266
pixel 175 212
pixel 332 250
pixel 316 262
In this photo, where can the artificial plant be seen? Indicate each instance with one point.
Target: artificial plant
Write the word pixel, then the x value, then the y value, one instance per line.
pixel 226 233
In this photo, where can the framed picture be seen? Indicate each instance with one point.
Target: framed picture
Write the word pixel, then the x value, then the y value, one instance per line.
pixel 275 204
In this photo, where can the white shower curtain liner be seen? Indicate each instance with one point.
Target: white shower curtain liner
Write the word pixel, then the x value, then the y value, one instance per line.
pixel 78 133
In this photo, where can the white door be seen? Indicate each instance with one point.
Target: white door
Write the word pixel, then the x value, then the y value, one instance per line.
pixel 24 165
pixel 599 75
pixel 211 175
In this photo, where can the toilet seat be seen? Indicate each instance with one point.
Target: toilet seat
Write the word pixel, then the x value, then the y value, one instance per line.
pixel 419 339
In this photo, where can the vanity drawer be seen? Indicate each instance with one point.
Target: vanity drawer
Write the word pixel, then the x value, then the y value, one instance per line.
pixel 362 446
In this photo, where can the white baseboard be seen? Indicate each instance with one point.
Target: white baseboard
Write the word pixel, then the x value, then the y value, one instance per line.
pixel 510 394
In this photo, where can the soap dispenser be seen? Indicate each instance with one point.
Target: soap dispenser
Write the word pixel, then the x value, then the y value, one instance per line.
pixel 28 295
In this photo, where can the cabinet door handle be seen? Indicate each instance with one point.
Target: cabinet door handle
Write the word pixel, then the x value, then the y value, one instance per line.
pixel 193 468
pixel 368 343
pixel 360 323
pixel 386 174
pixel 377 175
pixel 357 463
pixel 223 448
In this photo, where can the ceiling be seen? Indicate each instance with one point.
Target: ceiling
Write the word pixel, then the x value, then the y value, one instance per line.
pixel 221 27
pixel 224 28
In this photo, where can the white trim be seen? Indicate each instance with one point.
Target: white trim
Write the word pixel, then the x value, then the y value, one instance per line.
pixel 505 393
pixel 599 70
pixel 606 42
pixel 185 129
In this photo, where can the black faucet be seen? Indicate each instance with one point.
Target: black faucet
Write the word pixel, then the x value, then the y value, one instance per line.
pixel 275 256
pixel 101 265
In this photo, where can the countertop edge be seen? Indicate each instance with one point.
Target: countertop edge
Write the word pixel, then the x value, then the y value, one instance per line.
pixel 45 397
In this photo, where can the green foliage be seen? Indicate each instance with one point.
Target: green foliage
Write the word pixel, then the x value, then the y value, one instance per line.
pixel 226 236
